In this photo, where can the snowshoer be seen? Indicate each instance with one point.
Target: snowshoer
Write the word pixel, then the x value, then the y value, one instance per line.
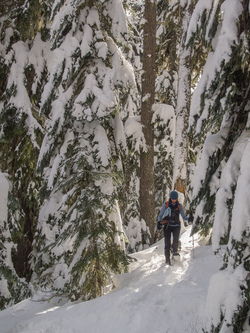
pixel 170 220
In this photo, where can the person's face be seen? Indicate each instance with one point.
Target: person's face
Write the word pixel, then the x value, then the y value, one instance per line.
pixel 174 200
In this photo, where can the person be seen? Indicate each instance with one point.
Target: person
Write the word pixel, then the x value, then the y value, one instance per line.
pixel 169 218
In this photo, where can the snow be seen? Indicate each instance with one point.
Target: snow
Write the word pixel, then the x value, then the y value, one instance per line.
pixel 116 11
pixel 212 143
pixel 227 288
pixel 152 297
pixel 241 210
pixel 133 128
pixel 20 99
pixel 101 145
pixel 165 112
pixel 228 180
pixel 200 7
pixel 226 37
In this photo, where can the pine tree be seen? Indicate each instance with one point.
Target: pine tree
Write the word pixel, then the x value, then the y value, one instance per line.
pixel 12 288
pixel 80 238
pixel 219 114
pixel 21 131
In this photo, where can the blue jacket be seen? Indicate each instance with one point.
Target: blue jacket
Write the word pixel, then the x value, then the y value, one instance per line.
pixel 164 207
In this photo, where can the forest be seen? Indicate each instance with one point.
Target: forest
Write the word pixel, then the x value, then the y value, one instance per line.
pixel 106 106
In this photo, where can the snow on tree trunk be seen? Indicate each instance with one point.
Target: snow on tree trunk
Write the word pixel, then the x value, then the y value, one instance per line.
pixel 147 191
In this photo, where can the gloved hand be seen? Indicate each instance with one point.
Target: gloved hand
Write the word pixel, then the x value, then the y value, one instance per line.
pixel 186 223
pixel 159 225
pixel 190 219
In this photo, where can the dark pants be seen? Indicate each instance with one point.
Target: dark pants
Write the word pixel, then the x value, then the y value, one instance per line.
pixel 167 234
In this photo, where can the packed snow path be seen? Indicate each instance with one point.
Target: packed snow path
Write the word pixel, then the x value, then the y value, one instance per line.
pixel 152 298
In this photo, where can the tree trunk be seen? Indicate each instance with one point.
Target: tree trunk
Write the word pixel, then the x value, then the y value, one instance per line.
pixel 183 106
pixel 147 192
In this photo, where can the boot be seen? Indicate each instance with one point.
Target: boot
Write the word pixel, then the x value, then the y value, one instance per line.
pixel 167 259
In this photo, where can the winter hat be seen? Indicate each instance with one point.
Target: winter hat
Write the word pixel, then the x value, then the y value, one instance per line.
pixel 174 195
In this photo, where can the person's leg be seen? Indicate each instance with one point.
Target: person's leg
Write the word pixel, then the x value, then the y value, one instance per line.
pixel 176 235
pixel 167 235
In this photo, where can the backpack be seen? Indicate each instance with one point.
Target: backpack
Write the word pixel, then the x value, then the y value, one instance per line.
pixel 167 214
pixel 178 205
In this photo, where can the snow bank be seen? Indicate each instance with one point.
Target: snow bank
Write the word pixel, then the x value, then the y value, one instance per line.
pixel 226 285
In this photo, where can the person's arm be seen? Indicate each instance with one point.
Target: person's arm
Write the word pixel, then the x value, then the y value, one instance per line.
pixel 182 213
pixel 162 212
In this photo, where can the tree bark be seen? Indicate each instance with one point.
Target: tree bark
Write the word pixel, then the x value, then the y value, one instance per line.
pixel 147 192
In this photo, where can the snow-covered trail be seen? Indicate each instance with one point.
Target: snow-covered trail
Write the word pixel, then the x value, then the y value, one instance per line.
pixel 171 298
pixel 152 298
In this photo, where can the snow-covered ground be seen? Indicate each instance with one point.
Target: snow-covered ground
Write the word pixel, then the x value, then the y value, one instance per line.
pixel 152 298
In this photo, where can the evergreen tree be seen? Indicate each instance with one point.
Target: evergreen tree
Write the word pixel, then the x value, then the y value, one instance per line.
pixel 12 288
pixel 220 115
pixel 88 99
pixel 22 76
